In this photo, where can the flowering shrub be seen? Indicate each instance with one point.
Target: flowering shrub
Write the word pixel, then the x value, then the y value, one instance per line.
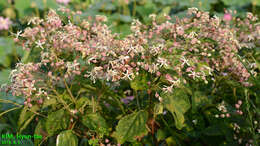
pixel 161 84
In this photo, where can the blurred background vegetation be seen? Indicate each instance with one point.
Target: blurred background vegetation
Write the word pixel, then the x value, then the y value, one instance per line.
pixel 120 14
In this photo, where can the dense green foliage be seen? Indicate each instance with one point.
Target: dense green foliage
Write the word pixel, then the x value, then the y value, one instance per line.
pixel 221 111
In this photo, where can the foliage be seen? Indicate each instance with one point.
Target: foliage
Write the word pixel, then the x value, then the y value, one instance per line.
pixel 131 77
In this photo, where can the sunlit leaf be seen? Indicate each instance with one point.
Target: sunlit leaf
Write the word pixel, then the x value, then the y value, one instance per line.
pixel 131 126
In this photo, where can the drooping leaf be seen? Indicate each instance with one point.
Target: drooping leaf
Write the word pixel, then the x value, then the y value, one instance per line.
pixel 26 117
pixel 40 131
pixel 131 126
pixel 178 104
pixel 67 138
pixel 56 121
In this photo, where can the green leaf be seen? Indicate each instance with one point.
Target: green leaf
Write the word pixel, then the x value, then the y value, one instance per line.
pixel 39 4
pixel 8 101
pixel 6 48
pixel 256 2
pixel 82 103
pixel 56 121
pixel 94 121
pixel 48 102
pixel 3 4
pixel 147 9
pixel 236 2
pixel 25 118
pixel 39 130
pixel 4 76
pixel 51 4
pixel 161 134
pixel 158 109
pixel 22 6
pixel 139 82
pixel 131 126
pixel 213 130
pixel 178 104
pixel 67 138
pixel 204 5
pixel 198 100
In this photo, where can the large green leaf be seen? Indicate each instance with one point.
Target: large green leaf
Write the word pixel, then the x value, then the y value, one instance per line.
pixel 3 4
pixel 22 7
pixel 6 47
pixel 67 138
pixel 139 82
pixel 4 74
pixel 177 103
pixel 131 126
pixel 147 9
pixel 94 121
pixel 203 5
pixel 256 2
pixel 51 4
pixel 39 4
pixel 236 2
pixel 56 121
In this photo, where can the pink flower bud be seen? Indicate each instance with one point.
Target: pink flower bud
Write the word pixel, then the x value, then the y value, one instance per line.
pixel 222 115
pixel 239 102
pixel 29 105
pixel 40 101
pixel 158 73
pixel 49 74
pixel 237 106
pixel 156 95
pixel 28 100
pixel 227 17
pixel 227 115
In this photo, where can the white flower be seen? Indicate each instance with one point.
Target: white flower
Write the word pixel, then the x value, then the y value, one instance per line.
pixel 162 62
pixel 192 34
pixel 167 89
pixel 127 75
pixel 195 121
pixel 185 61
pixel 193 74
pixel 17 35
pixel 221 107
pixel 39 44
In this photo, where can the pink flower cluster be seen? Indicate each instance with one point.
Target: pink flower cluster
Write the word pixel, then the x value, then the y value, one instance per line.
pixel 192 48
pixel 4 23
